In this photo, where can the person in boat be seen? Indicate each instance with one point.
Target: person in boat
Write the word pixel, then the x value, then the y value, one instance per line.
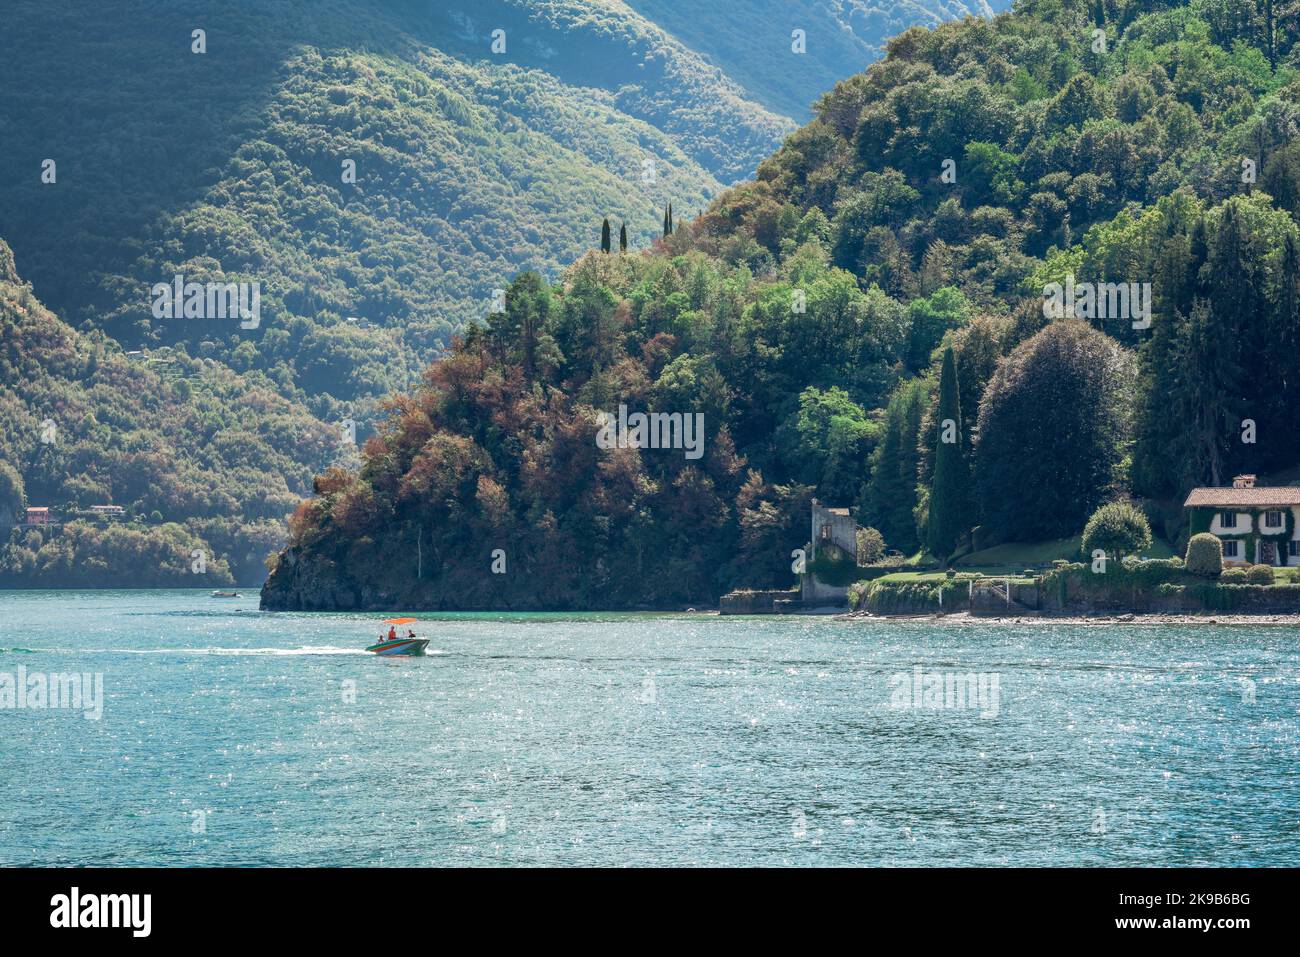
pixel 410 633
pixel 392 632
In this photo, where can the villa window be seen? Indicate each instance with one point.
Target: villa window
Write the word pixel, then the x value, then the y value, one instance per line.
pixel 1293 549
pixel 826 532
pixel 1228 519
pixel 1231 549
pixel 1272 519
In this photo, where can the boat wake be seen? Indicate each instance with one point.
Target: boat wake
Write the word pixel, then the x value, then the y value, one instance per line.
pixel 309 650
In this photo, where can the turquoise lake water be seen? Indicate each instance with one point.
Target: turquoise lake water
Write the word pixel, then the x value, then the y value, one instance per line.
pixel 230 736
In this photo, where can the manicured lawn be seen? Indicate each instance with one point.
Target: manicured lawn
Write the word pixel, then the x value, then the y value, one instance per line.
pixel 910 577
pixel 939 576
pixel 1016 556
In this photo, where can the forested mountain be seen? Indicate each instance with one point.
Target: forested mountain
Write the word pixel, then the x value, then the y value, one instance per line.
pixel 229 164
pixel 471 161
pixel 205 462
pixel 933 215
pixel 219 143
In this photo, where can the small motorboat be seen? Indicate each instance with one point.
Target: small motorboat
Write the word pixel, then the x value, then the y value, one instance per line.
pixel 400 646
pixel 225 594
pixel 410 645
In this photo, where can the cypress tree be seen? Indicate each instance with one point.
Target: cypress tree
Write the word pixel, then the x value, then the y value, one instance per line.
pixel 1274 364
pixel 1162 448
pixel 1287 322
pixel 1280 383
pixel 889 497
pixel 1234 334
pixel 604 237
pixel 667 228
pixel 1200 251
pixel 671 227
pixel 949 492
pixel 622 238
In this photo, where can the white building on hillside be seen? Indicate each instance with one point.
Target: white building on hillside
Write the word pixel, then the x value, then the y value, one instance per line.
pixel 1257 525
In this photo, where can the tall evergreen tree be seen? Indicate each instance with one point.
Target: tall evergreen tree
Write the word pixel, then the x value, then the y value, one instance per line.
pixel 1231 329
pixel 889 497
pixel 604 236
pixel 1280 385
pixel 1270 33
pixel 1287 328
pixel 1161 445
pixel 1199 402
pixel 622 238
pixel 667 227
pixel 1199 252
pixel 515 332
pixel 950 491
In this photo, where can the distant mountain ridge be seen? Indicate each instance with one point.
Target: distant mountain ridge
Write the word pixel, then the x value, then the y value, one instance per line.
pixel 749 37
pixel 471 164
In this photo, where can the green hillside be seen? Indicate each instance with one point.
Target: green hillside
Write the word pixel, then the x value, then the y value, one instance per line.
pixel 201 459
pixel 230 164
pixel 807 315
pixel 137 150
pixel 470 164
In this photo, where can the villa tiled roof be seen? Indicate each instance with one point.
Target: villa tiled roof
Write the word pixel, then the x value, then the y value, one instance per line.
pixel 1248 497
pixel 838 511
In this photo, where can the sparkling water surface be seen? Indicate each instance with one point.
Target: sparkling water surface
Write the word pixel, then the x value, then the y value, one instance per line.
pixel 640 740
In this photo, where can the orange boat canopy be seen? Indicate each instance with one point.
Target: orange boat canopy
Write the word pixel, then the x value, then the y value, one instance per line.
pixel 399 621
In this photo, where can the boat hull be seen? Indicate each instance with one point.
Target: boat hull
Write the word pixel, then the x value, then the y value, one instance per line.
pixel 400 646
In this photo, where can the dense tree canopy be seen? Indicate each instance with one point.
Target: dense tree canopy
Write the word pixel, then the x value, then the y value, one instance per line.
pixel 1054 432
pixel 917 224
pixel 807 316
pixel 198 457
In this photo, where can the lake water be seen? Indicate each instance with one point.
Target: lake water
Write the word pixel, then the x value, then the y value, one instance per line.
pixel 229 736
